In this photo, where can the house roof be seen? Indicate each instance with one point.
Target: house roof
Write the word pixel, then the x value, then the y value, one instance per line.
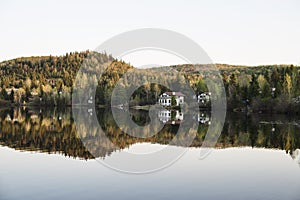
pixel 175 94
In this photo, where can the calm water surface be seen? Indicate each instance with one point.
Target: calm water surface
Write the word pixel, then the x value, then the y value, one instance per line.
pixel 256 157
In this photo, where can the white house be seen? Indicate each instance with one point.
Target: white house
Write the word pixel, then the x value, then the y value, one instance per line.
pixel 165 99
pixel 203 97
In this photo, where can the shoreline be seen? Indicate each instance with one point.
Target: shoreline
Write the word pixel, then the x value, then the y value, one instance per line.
pixel 144 108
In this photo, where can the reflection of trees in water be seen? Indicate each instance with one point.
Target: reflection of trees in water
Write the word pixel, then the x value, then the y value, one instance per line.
pixel 261 131
pixel 49 131
pixel 54 131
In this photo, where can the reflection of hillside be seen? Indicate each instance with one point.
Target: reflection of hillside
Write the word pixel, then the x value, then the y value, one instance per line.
pixel 54 131
pixel 48 132
pixel 241 130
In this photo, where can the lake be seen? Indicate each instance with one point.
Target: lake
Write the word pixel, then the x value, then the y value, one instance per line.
pixel 43 156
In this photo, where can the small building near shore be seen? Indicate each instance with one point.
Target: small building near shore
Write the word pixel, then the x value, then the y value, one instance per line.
pixel 165 99
pixel 203 97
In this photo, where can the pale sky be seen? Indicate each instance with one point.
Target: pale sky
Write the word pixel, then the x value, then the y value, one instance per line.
pixel 235 32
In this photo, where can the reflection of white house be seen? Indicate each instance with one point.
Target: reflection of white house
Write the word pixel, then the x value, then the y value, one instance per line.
pixel 165 116
pixel 165 99
pixel 203 119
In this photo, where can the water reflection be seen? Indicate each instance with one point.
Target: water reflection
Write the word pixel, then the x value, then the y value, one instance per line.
pixel 53 131
pixel 177 116
pixel 42 130
pixel 170 116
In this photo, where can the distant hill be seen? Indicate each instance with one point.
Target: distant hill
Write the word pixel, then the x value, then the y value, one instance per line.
pixel 41 69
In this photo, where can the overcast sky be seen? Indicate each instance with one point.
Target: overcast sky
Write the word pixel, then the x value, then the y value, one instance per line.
pixel 234 32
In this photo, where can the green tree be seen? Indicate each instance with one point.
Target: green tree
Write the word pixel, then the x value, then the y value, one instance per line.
pixel 254 87
pixel 288 85
pixel 201 86
pixel 173 101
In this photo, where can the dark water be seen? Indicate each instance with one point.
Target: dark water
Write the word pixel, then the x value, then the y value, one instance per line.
pixel 43 157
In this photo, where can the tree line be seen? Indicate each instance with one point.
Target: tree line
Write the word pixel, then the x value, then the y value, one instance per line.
pixel 49 80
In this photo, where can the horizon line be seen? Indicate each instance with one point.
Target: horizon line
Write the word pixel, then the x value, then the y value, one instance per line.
pixel 215 63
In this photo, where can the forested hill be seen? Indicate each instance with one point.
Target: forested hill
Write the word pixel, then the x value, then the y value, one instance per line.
pixel 49 79
pixel 40 70
pixel 266 88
